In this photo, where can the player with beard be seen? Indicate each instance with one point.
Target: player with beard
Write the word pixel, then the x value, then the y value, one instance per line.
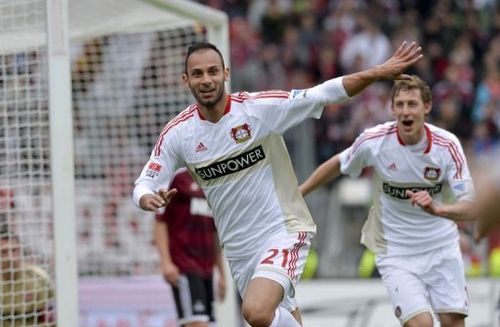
pixel 233 147
pixel 422 188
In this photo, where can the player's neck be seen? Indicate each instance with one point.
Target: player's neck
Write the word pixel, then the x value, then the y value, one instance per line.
pixel 413 139
pixel 214 113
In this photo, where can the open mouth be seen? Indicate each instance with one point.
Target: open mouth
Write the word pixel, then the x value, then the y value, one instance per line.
pixel 407 122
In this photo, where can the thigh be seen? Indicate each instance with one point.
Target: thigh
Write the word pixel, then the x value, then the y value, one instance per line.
pixel 446 282
pixel 282 260
pixel 406 290
pixel 193 299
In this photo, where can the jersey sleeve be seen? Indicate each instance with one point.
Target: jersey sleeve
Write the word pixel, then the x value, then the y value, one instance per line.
pixel 281 110
pixel 356 157
pixel 160 168
pixel 458 174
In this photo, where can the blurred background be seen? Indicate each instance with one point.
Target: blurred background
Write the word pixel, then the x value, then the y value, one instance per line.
pixel 126 86
pixel 289 44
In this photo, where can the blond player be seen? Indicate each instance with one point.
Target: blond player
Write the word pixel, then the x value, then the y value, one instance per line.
pixel 422 187
pixel 233 147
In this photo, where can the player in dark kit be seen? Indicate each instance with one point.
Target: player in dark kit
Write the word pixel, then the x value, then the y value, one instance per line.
pixel 189 248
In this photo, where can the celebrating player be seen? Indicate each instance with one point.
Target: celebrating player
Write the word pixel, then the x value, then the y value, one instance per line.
pixel 233 146
pixel 411 226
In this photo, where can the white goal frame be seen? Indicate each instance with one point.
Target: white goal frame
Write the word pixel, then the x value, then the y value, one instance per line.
pixel 61 145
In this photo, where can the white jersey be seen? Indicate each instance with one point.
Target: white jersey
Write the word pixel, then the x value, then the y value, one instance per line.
pixel 437 165
pixel 241 163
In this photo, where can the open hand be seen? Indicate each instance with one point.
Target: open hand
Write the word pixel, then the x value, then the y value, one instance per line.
pixel 404 57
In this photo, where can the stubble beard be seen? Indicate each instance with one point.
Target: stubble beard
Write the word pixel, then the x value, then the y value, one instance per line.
pixel 209 104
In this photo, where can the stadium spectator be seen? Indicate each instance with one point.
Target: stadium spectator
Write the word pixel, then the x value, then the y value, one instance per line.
pixel 417 249
pixel 232 146
pixel 27 295
pixel 187 242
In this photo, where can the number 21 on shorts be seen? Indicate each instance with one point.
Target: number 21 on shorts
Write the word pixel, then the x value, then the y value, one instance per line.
pixel 276 256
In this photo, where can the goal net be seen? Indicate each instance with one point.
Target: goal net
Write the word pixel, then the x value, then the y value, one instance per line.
pixel 127 57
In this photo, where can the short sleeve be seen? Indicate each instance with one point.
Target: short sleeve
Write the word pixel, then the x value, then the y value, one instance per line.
pixel 356 157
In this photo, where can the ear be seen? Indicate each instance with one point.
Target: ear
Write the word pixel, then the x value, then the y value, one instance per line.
pixel 427 107
pixel 392 111
pixel 185 79
pixel 226 74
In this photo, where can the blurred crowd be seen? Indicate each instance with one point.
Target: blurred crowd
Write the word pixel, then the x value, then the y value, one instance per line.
pixel 293 44
pixel 284 44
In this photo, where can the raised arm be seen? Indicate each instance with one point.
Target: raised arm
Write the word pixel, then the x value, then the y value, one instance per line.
pixel 329 170
pixel 392 69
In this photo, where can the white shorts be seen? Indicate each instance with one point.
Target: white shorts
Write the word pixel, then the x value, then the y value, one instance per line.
pixel 417 283
pixel 281 258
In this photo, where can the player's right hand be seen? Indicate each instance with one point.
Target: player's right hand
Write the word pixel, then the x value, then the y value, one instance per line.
pixel 170 273
pixel 153 202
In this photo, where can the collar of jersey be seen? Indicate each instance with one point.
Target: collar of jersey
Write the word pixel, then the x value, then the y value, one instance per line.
pixel 226 110
pixel 427 134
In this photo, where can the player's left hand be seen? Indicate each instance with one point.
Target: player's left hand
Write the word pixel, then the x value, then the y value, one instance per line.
pixel 424 200
pixel 221 288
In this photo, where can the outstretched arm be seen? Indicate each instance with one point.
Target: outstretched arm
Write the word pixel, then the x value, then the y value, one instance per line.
pixel 392 69
pixel 323 174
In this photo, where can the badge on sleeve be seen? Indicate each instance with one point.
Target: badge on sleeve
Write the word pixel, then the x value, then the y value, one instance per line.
pixel 153 170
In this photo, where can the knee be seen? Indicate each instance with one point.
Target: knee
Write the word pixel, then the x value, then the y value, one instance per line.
pixel 256 315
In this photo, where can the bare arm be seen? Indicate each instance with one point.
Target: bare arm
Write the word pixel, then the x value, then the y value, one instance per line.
pixel 392 69
pixel 169 269
pixel 458 211
pixel 329 170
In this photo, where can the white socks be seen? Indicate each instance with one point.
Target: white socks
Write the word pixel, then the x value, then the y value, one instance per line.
pixel 283 318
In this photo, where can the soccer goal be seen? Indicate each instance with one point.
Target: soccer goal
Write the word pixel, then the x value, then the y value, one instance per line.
pixel 79 119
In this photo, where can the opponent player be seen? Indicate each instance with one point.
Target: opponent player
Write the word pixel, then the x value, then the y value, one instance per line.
pixel 233 146
pixel 411 225
pixel 26 296
pixel 187 243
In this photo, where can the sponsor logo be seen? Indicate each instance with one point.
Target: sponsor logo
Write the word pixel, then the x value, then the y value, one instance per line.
pixel 200 147
pixel 241 133
pixel 400 192
pixel 153 170
pixel 231 165
pixel 431 173
pixel 294 94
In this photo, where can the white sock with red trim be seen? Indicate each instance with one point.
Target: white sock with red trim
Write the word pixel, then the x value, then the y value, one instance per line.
pixel 283 318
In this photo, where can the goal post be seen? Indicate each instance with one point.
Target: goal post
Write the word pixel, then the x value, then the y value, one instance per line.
pixel 67 173
pixel 61 163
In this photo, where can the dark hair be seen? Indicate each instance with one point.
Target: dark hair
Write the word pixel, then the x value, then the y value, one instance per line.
pixel 415 83
pixel 197 46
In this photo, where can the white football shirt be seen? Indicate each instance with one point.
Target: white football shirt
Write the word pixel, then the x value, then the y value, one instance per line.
pixel 437 164
pixel 241 163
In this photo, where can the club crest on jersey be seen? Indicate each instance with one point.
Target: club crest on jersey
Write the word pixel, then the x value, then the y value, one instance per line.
pixel 431 173
pixel 241 133
pixel 153 170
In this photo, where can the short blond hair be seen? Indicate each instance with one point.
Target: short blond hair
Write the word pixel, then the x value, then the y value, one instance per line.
pixel 415 83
